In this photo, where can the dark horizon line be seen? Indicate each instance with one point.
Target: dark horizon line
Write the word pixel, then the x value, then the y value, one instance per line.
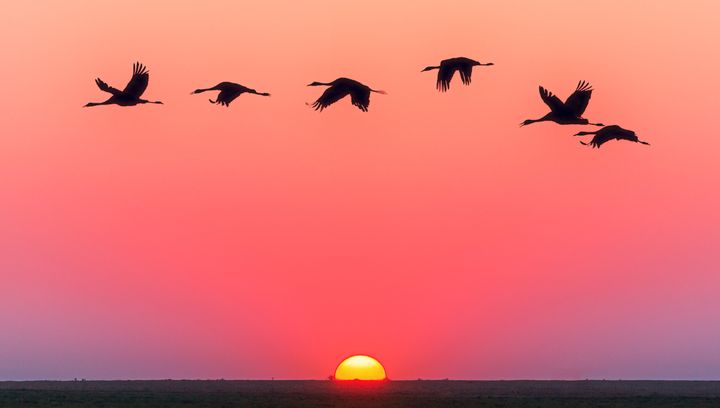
pixel 350 381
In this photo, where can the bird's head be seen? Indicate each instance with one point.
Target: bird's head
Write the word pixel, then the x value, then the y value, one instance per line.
pixel 316 83
pixel 428 69
pixel 526 122
pixel 197 91
pixel 480 63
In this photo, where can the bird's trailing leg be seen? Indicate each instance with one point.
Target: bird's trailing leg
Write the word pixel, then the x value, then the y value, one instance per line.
pixel 252 91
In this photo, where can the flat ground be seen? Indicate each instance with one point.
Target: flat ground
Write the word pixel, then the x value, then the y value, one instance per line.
pixel 390 394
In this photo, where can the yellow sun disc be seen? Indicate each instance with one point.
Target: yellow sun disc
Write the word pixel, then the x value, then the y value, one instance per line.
pixel 360 367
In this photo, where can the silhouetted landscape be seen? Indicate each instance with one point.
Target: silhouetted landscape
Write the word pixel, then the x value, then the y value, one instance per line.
pixel 442 393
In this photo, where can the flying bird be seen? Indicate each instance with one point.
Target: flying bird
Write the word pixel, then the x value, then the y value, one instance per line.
pixel 130 96
pixel 341 87
pixel 570 112
pixel 447 69
pixel 228 92
pixel 609 133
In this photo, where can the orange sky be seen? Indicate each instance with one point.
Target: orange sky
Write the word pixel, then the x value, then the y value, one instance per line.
pixel 265 239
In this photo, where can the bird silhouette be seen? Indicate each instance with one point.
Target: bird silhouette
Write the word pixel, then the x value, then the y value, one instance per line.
pixel 609 133
pixel 130 96
pixel 570 112
pixel 341 87
pixel 447 69
pixel 228 92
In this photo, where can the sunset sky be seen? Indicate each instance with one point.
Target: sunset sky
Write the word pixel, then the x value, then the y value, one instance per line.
pixel 189 240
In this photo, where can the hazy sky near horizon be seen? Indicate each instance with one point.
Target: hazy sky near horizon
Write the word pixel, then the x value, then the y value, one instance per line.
pixel 189 240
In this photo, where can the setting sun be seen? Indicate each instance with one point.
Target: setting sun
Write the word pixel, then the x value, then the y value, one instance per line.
pixel 360 367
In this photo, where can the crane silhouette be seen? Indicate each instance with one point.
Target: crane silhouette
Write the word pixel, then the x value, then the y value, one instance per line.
pixel 447 69
pixel 341 87
pixel 570 112
pixel 228 92
pixel 609 133
pixel 130 96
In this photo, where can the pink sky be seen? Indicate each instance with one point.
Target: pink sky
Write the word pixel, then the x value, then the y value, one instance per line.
pixel 265 239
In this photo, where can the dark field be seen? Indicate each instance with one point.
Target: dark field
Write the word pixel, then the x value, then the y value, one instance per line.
pixel 418 394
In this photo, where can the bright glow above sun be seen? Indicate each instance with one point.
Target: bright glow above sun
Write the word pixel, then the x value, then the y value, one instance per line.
pixel 360 367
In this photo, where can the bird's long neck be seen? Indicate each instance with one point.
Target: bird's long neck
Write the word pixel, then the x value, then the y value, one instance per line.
pixel 485 65
pixel 530 121
pixel 431 68
pixel 204 90
pixel 252 91
pixel 146 101
pixel 584 133
pixel 91 104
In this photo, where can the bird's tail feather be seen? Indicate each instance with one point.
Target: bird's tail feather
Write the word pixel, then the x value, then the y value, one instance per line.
pixel 380 91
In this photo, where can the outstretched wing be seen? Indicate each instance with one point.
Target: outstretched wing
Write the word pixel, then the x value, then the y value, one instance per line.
pixel 361 98
pixel 551 100
pixel 445 74
pixel 330 96
pixel 105 87
pixel 228 95
pixel 466 74
pixel 602 138
pixel 578 101
pixel 139 81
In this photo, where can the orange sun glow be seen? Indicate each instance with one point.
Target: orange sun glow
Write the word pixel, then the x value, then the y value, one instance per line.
pixel 360 367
